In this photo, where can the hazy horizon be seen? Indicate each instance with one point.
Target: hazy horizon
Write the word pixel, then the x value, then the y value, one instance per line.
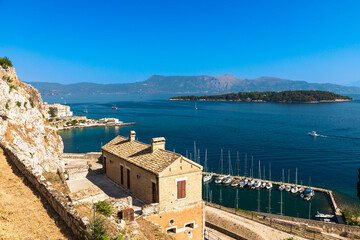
pixel 124 42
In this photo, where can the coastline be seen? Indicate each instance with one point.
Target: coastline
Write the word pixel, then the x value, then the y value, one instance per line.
pixel 96 125
pixel 262 101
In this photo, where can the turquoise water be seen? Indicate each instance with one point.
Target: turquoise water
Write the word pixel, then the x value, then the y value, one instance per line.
pixel 272 133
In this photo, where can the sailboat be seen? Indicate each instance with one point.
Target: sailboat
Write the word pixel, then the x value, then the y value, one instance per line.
pixel 295 189
pixel 208 176
pixel 221 177
pixel 196 108
pixel 288 187
pixel 282 186
pixel 114 107
pixel 85 111
pixel 269 184
pixel 229 179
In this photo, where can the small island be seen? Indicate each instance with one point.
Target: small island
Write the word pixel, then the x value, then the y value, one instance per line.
pixel 298 96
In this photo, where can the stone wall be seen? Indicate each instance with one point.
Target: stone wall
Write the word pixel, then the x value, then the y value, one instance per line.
pixel 57 200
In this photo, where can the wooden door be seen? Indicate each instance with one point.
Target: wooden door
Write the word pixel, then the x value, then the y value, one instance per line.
pixel 128 178
pixel 122 175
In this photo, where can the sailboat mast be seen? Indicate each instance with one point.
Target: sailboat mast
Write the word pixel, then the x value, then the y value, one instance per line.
pixel 195 159
pixel 206 160
pixel 259 170
pixel 222 162
pixel 270 170
pixel 238 163
pixel 198 155
pixel 229 163
pixel 296 177
pixel 245 173
pixel 252 166
pixel 288 175
pixel 283 179
pixel 264 172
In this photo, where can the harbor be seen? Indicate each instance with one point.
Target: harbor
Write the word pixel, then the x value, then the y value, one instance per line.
pixel 219 192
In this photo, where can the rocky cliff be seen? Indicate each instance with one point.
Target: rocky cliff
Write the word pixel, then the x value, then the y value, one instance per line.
pixel 23 126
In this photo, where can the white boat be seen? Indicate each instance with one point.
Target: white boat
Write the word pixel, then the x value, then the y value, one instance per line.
pixel 313 133
pixel 85 111
pixel 309 192
pixel 251 182
pixel 242 184
pixel 323 215
pixel 235 183
pixel 295 190
pixel 282 187
pixel 246 181
pixel 269 185
pixel 207 177
pixel 228 180
pixel 263 184
pixel 287 188
pixel 301 190
pixel 257 184
pixel 219 179
pixel 302 195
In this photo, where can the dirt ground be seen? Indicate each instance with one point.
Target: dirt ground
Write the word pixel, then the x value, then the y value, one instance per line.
pixel 23 214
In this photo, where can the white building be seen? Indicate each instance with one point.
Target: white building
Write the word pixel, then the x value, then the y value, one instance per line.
pixel 59 110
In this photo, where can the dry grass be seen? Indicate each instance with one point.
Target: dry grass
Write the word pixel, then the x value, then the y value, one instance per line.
pixel 55 180
pixel 23 213
pixel 149 231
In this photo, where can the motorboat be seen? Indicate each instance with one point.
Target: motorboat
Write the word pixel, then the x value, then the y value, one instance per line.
pixel 282 187
pixel 288 188
pixel 313 133
pixel 263 184
pixel 251 182
pixel 228 180
pixel 301 190
pixel 219 179
pixel 207 177
pixel 309 192
pixel 245 181
pixel 323 215
pixel 302 195
pixel 269 185
pixel 242 184
pixel 257 184
pixel 295 189
pixel 235 183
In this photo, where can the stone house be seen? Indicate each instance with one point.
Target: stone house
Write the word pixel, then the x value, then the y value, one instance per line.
pixel 160 177
pixel 59 110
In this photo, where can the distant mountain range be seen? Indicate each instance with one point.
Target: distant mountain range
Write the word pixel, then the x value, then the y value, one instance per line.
pixel 218 84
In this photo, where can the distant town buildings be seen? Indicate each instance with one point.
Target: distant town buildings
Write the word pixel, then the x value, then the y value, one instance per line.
pixel 159 177
pixel 57 110
pixel 109 121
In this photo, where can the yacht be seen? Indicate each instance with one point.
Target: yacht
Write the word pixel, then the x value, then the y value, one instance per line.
pixel 287 188
pixel 313 133
pixel 301 190
pixel 257 184
pixel 242 184
pixel 235 183
pixel 323 215
pixel 309 192
pixel 295 189
pixel 228 180
pixel 263 184
pixel 207 177
pixel 269 185
pixel 246 181
pixel 251 182
pixel 219 179
pixel 282 187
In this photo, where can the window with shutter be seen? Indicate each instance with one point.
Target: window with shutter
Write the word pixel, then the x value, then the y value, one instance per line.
pixel 181 189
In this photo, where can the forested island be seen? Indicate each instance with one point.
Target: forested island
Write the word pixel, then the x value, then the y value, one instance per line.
pixel 298 96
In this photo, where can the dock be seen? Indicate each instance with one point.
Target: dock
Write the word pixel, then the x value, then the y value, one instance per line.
pixel 97 125
pixel 336 210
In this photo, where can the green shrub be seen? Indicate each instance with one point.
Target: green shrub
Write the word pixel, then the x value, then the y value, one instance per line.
pixel 57 119
pixel 104 208
pixel 18 103
pixel 25 105
pixel 7 106
pixel 12 87
pixel 5 62
pixel 52 112
pixel 31 102
pixel 9 80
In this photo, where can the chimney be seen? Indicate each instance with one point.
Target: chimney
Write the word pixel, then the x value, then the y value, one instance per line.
pixel 157 143
pixel 132 135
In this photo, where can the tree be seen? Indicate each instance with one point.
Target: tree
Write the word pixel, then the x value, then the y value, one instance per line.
pixel 5 62
pixel 52 112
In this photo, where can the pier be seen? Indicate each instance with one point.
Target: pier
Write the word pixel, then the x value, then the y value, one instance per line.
pixel 336 210
pixel 97 125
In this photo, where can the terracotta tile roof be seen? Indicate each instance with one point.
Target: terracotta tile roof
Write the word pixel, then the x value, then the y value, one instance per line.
pixel 140 154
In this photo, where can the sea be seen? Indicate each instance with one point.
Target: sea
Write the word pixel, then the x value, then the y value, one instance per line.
pixel 274 135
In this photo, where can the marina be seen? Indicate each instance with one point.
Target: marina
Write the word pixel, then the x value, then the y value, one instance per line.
pixel 319 191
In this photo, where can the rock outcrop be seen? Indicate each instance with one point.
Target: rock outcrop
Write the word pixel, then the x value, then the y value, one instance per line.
pixel 23 126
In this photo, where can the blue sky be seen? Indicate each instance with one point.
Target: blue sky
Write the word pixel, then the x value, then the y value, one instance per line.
pixel 127 41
